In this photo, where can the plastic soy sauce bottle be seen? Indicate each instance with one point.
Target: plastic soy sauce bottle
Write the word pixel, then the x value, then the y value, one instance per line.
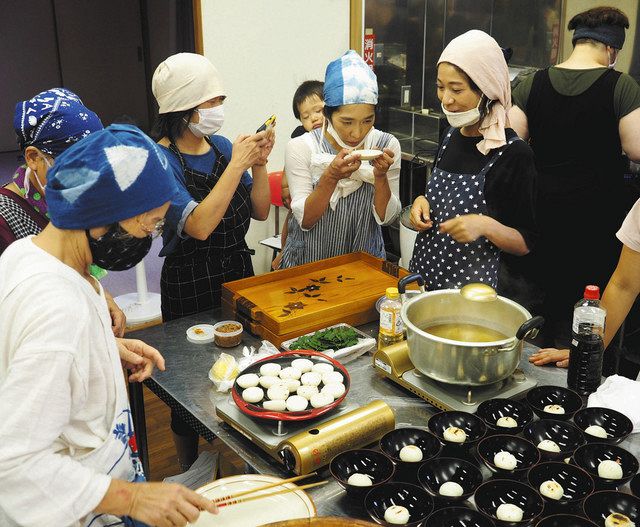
pixel 391 326
pixel 587 343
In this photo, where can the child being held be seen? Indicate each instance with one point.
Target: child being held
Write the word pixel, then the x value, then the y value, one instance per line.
pixel 307 107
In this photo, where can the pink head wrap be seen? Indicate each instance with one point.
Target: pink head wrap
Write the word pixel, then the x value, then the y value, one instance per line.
pixel 481 58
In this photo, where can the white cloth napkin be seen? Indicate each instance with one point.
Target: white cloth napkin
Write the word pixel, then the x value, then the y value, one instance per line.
pixel 349 185
pixel 621 394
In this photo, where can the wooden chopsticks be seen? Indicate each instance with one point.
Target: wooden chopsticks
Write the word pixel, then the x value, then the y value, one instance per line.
pixel 269 494
pixel 244 496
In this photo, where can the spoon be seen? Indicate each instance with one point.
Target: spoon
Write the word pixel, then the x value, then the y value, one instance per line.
pixel 478 292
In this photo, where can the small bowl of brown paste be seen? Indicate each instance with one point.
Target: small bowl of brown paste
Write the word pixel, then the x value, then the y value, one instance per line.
pixel 227 333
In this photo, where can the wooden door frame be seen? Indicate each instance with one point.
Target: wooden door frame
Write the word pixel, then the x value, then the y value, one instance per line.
pixel 197 27
pixel 356 22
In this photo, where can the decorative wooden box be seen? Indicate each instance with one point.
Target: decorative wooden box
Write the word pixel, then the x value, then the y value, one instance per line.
pixel 285 304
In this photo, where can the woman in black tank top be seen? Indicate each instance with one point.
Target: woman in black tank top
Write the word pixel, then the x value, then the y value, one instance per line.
pixel 578 141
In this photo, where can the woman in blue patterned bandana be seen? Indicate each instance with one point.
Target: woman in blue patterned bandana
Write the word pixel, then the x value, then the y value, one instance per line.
pixel 339 200
pixel 45 125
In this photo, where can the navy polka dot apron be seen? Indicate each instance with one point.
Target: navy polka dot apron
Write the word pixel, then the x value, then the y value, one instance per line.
pixel 443 262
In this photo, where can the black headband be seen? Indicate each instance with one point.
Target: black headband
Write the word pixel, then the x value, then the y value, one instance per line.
pixel 607 34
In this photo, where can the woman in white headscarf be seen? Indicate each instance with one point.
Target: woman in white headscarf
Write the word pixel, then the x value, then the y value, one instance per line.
pixel 479 201
pixel 339 200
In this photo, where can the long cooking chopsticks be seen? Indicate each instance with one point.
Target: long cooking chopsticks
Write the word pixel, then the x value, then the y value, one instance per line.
pixel 264 487
pixel 245 496
pixel 269 494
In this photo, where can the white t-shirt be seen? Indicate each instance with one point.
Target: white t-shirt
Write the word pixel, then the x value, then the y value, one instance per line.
pixel 629 233
pixel 60 390
pixel 298 167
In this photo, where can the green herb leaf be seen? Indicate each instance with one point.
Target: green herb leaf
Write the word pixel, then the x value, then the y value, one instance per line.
pixel 326 339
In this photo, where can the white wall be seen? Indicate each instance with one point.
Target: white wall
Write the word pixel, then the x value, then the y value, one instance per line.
pixel 264 50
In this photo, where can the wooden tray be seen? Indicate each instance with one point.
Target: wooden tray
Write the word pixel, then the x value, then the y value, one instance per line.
pixel 285 304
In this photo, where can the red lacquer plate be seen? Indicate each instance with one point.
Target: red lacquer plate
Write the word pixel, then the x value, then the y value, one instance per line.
pixel 284 359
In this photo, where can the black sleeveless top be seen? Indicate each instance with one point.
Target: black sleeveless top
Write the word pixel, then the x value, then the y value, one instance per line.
pixel 580 199
pixel 575 138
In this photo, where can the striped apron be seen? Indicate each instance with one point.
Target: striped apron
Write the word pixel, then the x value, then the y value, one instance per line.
pixel 349 228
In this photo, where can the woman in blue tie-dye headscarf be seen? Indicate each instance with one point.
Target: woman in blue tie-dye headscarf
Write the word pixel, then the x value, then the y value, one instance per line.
pixel 339 198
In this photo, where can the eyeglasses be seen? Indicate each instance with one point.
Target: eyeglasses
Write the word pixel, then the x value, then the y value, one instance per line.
pixel 153 232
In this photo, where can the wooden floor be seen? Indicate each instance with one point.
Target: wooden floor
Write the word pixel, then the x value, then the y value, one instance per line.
pixel 163 461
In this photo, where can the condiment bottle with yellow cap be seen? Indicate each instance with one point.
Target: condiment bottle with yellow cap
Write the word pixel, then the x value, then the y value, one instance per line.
pixel 391 326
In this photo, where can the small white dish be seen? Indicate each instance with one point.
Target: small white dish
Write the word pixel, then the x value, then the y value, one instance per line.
pixel 201 334
pixel 365 344
pixel 367 155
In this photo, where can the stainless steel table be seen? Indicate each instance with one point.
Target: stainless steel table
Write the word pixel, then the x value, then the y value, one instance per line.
pixel 186 388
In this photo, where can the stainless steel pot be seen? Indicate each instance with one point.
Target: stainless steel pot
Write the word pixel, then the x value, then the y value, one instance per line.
pixel 458 362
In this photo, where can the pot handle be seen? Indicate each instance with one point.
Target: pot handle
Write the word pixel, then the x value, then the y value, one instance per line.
pixel 530 328
pixel 409 279
pixel 512 345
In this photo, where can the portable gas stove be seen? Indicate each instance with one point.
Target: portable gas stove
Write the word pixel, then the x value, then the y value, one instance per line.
pixel 394 363
pixel 305 446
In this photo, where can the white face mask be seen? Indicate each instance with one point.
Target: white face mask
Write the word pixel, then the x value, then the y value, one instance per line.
pixel 333 133
pixel 462 119
pixel 28 172
pixel 211 120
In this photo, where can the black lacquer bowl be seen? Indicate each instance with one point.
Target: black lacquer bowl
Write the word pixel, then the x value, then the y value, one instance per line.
pixel 458 517
pixel 634 484
pixel 362 461
pixel 415 499
pixel 437 471
pixel 567 436
pixel 393 442
pixel 617 425
pixel 493 409
pixel 589 457
pixel 473 426
pixel 492 494
pixel 524 451
pixel 576 484
pixel 542 396
pixel 601 504
pixel 565 520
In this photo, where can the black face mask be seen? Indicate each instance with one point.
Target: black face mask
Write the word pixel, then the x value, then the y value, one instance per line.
pixel 117 250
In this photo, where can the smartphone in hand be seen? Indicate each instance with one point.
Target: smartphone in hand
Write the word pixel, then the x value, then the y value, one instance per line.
pixel 271 121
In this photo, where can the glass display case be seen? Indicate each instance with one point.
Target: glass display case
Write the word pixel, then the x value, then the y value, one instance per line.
pixel 411 34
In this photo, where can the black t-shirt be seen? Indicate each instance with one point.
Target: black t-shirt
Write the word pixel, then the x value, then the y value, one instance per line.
pixel 509 187
pixel 510 194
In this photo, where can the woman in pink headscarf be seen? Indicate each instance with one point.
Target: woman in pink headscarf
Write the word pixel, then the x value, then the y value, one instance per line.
pixel 479 200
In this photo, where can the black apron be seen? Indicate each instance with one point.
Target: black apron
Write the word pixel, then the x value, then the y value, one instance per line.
pixel 193 274
pixel 580 202
pixel 443 262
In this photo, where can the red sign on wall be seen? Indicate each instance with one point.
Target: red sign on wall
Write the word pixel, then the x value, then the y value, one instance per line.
pixel 368 49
